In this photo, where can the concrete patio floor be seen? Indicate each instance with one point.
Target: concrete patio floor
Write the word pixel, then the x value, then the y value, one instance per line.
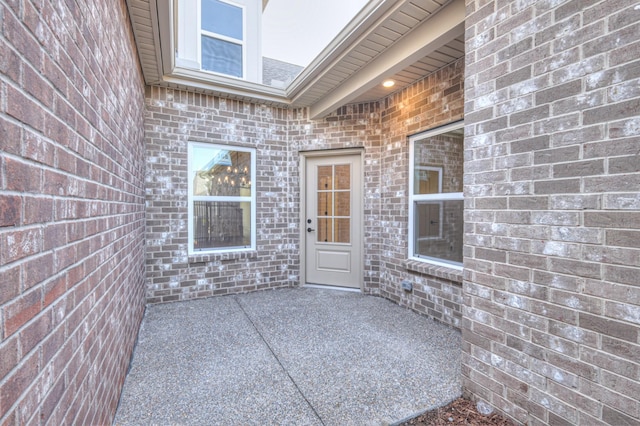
pixel 301 356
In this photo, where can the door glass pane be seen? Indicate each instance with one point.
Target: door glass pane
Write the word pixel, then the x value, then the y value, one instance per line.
pixel 334 203
pixel 325 229
pixel 222 18
pixel 343 203
pixel 343 230
pixel 221 56
pixel 325 204
pixel 343 176
pixel 325 177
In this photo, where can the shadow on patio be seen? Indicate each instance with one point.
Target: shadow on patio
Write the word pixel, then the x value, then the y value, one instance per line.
pixel 290 356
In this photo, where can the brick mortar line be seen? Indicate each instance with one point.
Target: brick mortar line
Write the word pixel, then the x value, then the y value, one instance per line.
pixel 62 324
pixel 53 250
pixel 47 167
pixel 21 87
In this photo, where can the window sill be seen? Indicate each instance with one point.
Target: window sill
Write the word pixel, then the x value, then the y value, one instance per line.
pixel 426 268
pixel 228 255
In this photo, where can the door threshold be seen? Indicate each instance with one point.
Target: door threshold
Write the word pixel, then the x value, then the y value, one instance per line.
pixel 331 287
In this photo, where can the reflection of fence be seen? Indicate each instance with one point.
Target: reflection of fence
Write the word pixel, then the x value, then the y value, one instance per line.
pixel 217 224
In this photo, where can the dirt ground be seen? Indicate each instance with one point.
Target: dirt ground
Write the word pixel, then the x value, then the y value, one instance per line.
pixel 458 413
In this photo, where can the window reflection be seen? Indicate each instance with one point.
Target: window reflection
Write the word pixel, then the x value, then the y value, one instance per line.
pixel 226 173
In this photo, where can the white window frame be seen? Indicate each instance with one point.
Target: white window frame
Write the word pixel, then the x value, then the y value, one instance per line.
pixel 217 36
pixel 440 197
pixel 440 219
pixel 187 40
pixel 191 198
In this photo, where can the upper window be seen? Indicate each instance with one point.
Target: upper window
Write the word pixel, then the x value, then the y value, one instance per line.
pixel 221 198
pixel 436 203
pixel 222 37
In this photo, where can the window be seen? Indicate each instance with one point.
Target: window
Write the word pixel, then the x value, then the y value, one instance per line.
pixel 436 203
pixel 222 37
pixel 221 198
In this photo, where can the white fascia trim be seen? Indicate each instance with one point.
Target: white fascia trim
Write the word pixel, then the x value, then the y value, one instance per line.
pixel 430 35
pixel 218 83
pixel 356 30
pixel 163 22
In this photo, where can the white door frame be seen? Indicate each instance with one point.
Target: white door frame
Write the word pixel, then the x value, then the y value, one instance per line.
pixel 304 155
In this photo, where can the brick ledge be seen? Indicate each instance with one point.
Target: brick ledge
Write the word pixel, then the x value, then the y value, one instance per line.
pixel 229 255
pixel 425 268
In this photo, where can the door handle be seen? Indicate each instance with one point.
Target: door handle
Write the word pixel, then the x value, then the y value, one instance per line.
pixel 310 229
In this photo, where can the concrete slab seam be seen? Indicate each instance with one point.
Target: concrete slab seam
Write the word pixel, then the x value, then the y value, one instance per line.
pixel 275 356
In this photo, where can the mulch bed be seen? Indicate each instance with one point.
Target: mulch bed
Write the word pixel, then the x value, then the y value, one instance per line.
pixel 459 412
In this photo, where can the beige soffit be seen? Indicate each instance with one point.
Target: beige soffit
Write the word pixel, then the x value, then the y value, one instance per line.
pixel 388 38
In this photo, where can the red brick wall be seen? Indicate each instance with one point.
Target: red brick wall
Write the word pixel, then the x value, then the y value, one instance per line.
pixel 71 209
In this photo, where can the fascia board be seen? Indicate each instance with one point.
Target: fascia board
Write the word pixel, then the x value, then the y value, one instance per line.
pixel 221 84
pixel 355 32
pixel 163 21
pixel 431 34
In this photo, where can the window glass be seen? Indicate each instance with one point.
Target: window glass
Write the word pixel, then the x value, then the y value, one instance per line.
pixel 334 203
pixel 221 197
pixel 436 201
pixel 221 56
pixel 220 224
pixel 222 18
pixel 438 229
pixel 222 38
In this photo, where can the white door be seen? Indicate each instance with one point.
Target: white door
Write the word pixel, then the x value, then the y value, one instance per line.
pixel 333 198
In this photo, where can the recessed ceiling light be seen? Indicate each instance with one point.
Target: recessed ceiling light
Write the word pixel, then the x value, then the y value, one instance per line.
pixel 389 83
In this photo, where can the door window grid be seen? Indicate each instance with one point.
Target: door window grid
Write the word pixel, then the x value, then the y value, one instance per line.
pixel 334 203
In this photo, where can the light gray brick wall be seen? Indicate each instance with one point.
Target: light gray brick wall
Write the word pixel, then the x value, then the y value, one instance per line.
pixel 433 101
pixel 174 117
pixel 552 282
pixel 352 126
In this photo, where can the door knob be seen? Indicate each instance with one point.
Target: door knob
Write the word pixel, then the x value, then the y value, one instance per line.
pixel 310 229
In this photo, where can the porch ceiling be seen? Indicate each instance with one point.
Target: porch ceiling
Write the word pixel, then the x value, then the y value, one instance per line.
pixel 389 39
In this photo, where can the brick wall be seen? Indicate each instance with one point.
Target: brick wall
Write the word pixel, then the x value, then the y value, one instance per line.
pixel 71 209
pixel 279 135
pixel 552 297
pixel 352 126
pixel 175 117
pixel 431 102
